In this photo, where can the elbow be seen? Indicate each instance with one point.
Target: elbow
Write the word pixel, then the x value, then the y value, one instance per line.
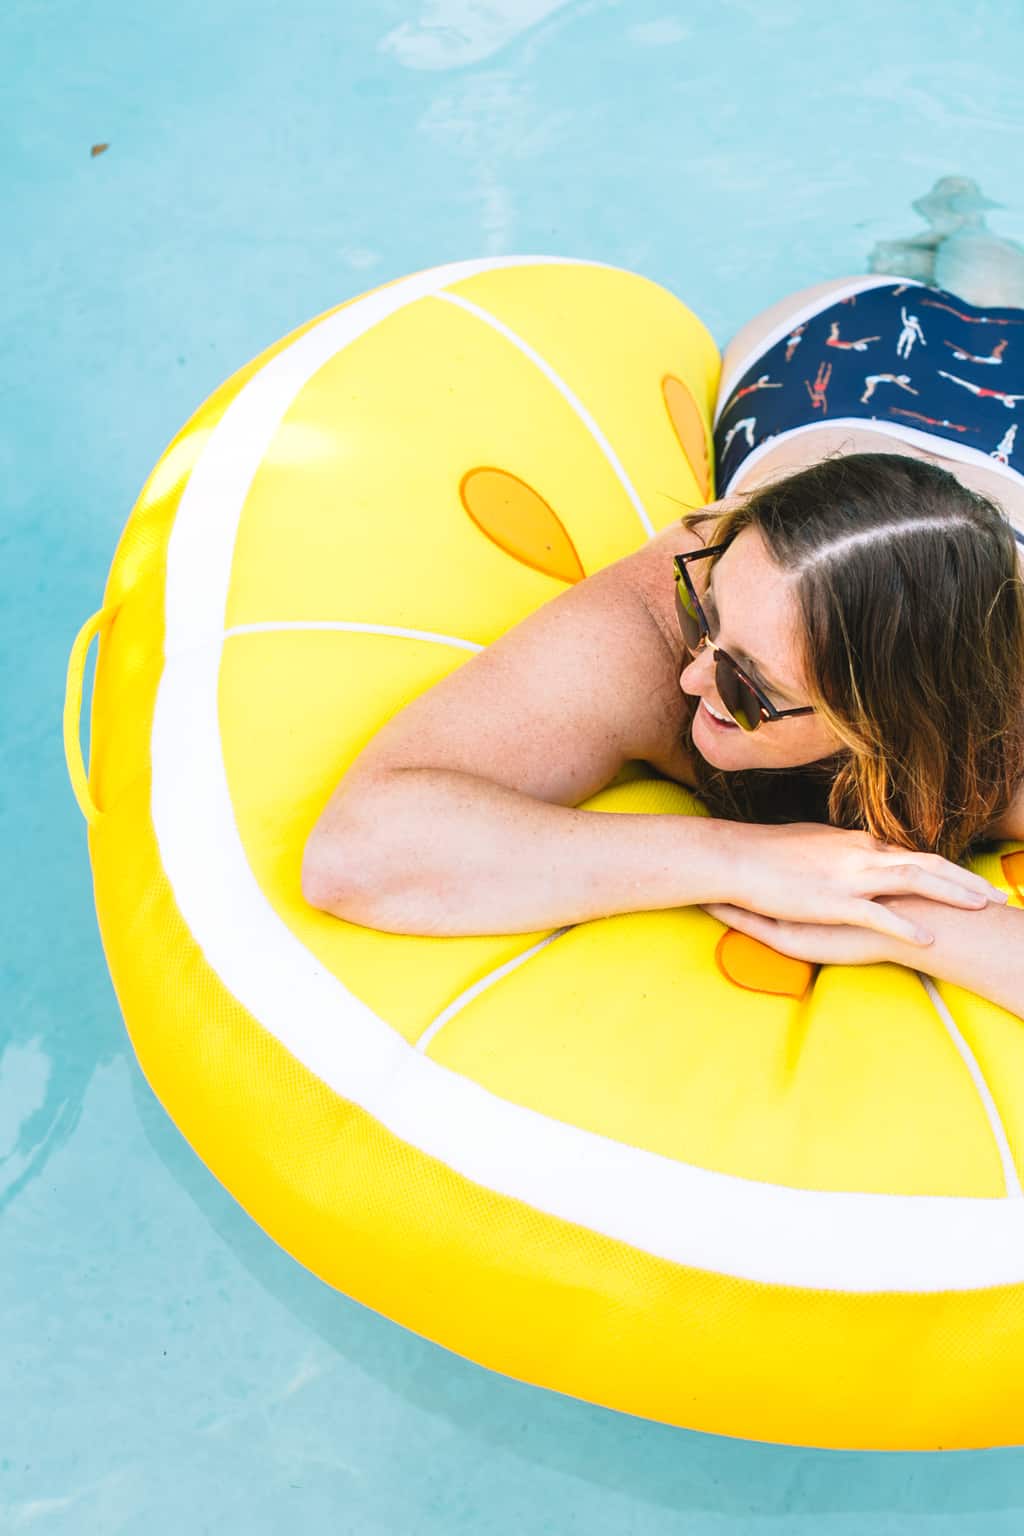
pixel 328 877
pixel 314 878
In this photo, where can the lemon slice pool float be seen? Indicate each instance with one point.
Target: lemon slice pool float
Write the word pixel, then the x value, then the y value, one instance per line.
pixel 640 1160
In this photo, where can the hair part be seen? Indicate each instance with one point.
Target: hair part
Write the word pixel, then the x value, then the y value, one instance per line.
pixel 912 619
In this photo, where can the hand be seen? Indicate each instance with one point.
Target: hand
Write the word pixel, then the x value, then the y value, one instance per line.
pixel 819 943
pixel 809 874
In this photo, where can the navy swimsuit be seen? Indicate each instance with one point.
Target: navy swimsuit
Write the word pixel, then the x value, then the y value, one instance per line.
pixel 916 362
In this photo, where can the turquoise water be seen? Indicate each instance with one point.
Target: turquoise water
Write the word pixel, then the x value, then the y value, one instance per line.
pixel 164 1368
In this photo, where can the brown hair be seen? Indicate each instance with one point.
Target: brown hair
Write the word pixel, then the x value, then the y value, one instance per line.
pixel 912 609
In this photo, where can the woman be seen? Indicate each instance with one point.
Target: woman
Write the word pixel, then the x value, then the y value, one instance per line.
pixel 871 588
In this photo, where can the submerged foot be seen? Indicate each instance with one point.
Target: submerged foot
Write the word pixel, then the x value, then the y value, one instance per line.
pixel 958 251
pixel 982 268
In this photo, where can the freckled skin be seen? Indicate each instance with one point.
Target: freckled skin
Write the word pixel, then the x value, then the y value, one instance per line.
pixel 757 616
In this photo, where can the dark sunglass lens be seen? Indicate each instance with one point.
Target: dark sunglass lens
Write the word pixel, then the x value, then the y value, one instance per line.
pixel 738 699
pixel 689 623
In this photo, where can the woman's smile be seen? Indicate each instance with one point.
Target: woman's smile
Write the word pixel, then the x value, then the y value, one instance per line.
pixel 717 719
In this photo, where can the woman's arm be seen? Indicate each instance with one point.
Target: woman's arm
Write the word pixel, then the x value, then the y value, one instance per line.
pixel 441 852
pixel 438 852
pixel 981 950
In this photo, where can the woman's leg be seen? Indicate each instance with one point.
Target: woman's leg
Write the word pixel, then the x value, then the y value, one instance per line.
pixel 958 252
pixel 982 268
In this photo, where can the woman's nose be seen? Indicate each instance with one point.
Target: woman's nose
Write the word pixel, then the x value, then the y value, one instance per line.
pixel 698 671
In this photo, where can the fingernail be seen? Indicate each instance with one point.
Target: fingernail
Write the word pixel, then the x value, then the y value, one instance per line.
pixel 922 936
pixel 998 895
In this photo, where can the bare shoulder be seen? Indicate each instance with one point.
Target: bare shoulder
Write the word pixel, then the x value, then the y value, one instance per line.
pixel 651 574
pixel 556 706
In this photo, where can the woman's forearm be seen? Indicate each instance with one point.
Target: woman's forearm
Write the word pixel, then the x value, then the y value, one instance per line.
pixel 982 951
pixel 436 851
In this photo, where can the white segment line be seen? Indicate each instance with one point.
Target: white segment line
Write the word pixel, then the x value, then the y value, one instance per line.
pixel 200 550
pixel 1013 1188
pixel 482 986
pixel 567 394
pixel 485 982
pixel 363 629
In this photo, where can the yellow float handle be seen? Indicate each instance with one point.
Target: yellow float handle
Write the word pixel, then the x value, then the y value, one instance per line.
pixel 73 711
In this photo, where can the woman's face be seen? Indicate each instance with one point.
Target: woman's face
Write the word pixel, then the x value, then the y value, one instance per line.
pixel 752 613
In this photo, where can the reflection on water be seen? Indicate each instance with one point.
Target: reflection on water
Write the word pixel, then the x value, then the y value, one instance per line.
pixel 43 1083
pixel 25 1071
pixel 448 34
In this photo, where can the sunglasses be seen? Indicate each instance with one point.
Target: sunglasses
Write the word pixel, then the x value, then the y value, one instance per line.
pixel 739 693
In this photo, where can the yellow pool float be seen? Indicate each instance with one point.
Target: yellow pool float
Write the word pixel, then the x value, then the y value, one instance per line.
pixel 641 1160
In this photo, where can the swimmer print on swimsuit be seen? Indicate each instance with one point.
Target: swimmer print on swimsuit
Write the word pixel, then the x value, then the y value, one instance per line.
pixel 917 362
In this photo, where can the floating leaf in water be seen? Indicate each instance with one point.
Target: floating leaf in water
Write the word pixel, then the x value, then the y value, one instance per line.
pixel 98 149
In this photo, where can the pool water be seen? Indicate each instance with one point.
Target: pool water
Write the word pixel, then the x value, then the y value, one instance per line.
pixel 166 1369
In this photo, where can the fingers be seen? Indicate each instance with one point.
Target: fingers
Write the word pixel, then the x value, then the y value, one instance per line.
pixel 912 879
pixel 801 941
pixel 934 866
pixel 731 916
pixel 872 914
pixel 769 930
pixel 861 914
